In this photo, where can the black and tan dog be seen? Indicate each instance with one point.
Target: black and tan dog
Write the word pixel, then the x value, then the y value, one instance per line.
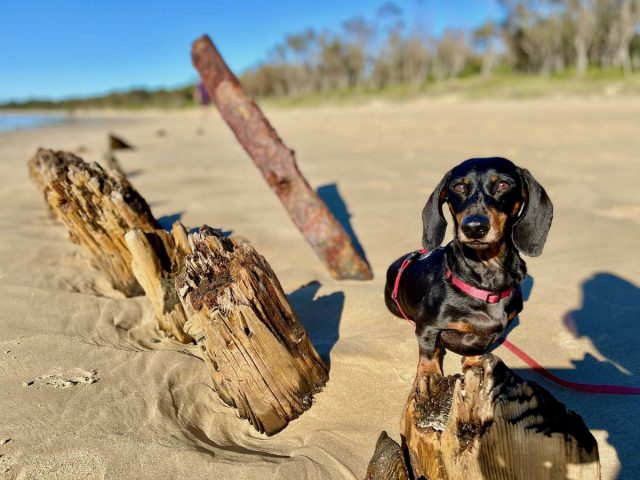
pixel 463 296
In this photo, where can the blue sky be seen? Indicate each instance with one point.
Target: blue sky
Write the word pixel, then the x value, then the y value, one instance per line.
pixel 62 48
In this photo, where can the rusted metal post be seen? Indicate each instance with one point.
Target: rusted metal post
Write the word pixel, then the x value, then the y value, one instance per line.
pixel 277 164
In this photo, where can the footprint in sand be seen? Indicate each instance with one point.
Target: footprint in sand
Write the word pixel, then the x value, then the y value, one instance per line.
pixel 57 378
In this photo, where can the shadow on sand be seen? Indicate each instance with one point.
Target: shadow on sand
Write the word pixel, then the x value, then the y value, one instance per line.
pixel 134 173
pixel 331 196
pixel 167 221
pixel 319 315
pixel 610 318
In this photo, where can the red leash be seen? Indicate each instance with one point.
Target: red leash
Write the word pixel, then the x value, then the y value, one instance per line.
pixel 578 387
pixel 494 298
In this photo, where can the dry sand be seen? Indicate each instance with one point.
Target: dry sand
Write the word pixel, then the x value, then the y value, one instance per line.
pixel 111 398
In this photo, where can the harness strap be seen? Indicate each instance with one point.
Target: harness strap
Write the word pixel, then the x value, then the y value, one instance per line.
pixel 394 294
pixel 484 295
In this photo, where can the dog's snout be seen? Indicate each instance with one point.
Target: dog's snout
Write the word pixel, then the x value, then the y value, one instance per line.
pixel 475 226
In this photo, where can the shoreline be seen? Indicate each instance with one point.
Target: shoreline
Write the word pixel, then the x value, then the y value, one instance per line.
pixel 611 89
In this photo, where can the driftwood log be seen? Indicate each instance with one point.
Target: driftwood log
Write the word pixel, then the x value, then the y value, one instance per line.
pixel 491 424
pixel 258 353
pixel 98 207
pixel 277 164
pixel 157 258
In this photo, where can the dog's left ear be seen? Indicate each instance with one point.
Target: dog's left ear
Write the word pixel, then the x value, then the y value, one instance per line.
pixel 530 230
pixel 433 222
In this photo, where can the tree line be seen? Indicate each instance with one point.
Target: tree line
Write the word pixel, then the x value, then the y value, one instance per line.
pixel 534 36
pixel 542 37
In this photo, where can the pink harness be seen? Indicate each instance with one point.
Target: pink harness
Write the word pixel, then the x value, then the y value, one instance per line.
pixel 484 295
pixel 491 297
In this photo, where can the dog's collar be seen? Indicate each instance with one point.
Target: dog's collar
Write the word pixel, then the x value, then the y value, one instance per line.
pixel 484 295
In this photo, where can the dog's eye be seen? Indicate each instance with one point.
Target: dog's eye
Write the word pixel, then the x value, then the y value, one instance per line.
pixel 503 186
pixel 460 188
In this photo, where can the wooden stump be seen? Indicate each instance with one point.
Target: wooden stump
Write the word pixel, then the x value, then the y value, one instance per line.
pixel 490 423
pixel 258 353
pixel 97 207
pixel 157 257
pixel 387 462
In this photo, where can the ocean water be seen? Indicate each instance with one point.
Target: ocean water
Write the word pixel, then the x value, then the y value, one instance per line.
pixel 16 121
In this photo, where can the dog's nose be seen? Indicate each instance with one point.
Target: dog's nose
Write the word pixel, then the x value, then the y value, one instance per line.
pixel 475 226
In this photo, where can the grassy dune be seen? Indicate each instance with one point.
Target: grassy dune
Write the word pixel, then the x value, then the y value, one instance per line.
pixel 596 83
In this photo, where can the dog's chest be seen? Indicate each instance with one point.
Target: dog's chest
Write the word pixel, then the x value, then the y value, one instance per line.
pixel 490 319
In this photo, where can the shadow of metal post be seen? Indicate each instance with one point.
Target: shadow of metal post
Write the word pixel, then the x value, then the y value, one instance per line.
pixel 331 196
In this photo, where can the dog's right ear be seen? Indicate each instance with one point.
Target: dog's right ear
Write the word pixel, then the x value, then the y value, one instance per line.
pixel 433 222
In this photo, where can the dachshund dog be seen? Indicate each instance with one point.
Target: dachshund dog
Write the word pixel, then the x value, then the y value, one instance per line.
pixel 464 295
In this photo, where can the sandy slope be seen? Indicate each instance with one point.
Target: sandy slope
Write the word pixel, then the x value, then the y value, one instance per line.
pixel 151 413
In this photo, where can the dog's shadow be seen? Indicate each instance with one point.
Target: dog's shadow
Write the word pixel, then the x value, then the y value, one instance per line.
pixel 610 318
pixel 319 315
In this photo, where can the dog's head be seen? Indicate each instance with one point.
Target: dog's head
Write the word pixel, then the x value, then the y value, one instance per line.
pixel 491 201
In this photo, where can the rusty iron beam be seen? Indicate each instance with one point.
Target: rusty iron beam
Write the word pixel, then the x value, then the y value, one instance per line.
pixel 277 163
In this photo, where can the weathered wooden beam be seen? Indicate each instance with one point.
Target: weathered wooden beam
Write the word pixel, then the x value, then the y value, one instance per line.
pixel 277 164
pixel 387 462
pixel 112 163
pixel 98 207
pixel 258 353
pixel 157 257
pixel 490 423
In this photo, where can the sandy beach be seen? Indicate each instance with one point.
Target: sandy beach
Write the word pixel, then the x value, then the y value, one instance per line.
pixel 91 389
